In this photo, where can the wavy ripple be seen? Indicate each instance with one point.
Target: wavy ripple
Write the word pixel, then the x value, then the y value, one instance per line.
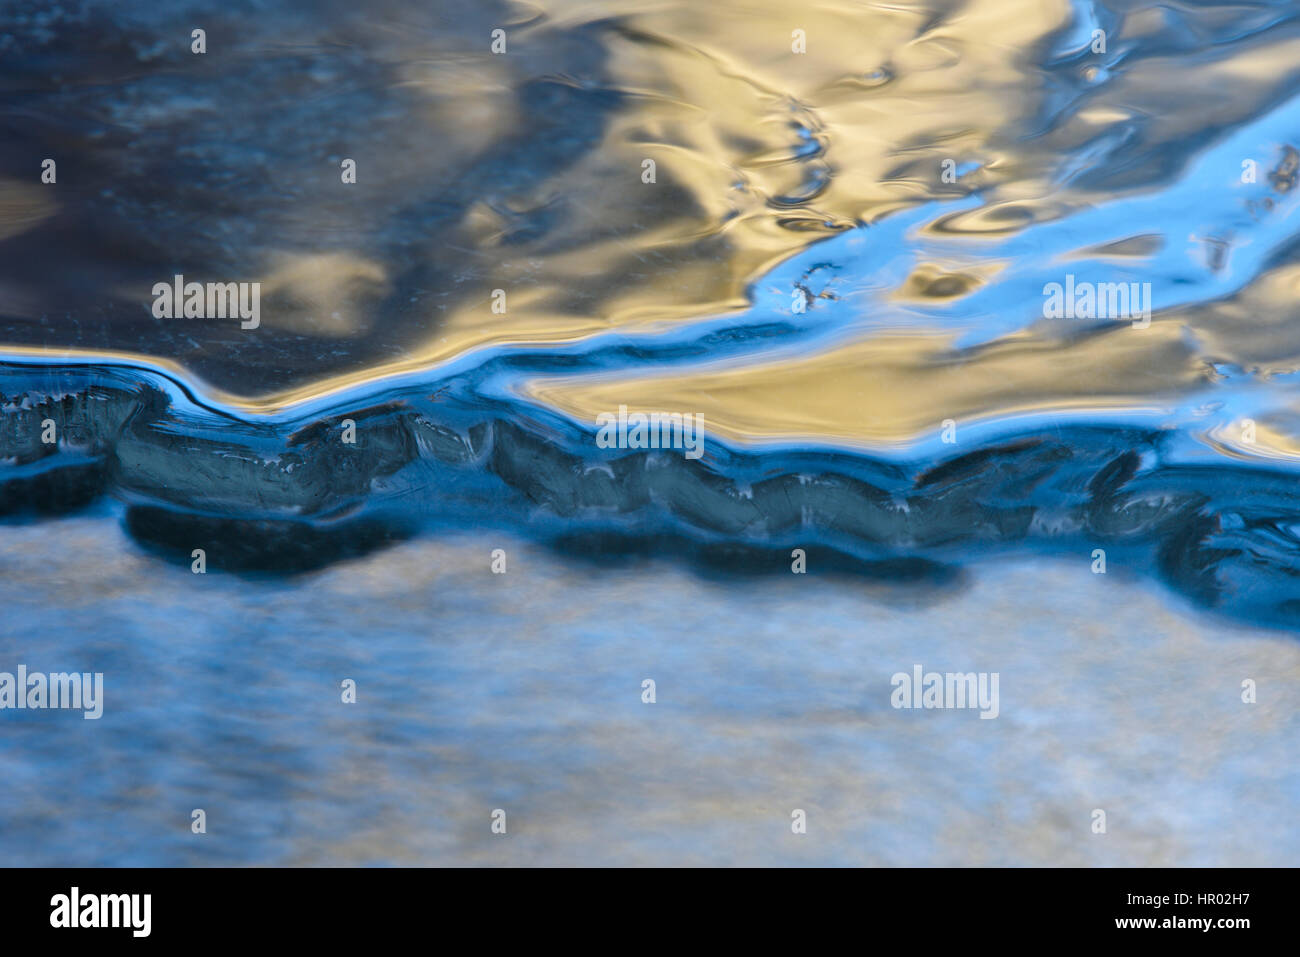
pixel 843 252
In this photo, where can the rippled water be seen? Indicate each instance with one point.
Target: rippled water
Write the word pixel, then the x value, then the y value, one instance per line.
pixel 841 263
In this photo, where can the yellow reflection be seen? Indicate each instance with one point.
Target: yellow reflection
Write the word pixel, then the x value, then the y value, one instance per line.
pixel 893 389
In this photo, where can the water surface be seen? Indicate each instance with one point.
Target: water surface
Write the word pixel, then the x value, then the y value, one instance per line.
pixel 840 263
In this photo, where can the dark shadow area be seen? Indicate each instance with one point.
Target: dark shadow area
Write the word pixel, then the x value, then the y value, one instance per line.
pixel 609 548
pixel 262 547
pixel 57 491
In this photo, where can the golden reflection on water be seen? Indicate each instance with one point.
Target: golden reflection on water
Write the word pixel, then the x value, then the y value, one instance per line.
pixel 759 150
pixel 724 108
pixel 887 390
pixel 759 153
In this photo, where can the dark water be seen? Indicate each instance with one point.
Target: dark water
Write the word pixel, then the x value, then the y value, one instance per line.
pixel 841 263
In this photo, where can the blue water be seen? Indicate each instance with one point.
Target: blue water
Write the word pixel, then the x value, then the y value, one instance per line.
pixel 842 264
